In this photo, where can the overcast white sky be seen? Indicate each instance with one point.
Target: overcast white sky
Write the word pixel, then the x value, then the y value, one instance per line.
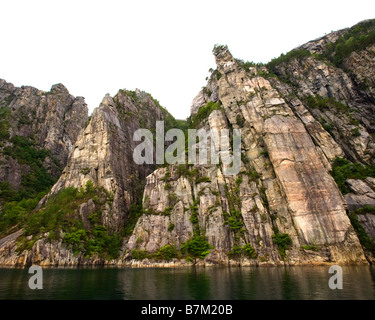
pixel 162 47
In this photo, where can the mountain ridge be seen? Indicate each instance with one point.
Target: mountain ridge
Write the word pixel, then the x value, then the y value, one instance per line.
pixel 303 196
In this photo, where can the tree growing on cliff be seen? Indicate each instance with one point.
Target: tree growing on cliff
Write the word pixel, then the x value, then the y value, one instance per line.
pixel 197 247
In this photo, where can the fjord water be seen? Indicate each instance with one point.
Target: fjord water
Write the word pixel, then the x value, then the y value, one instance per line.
pixel 247 283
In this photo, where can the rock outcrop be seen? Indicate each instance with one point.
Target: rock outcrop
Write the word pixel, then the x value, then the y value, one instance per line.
pixel 362 193
pixel 284 186
pixel 31 118
pixel 103 152
pixel 102 157
pixel 300 117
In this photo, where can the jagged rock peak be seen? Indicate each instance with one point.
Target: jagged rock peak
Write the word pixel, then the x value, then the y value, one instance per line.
pixel 107 100
pixel 59 88
pixel 103 153
pixel 46 122
pixel 223 57
pixel 220 50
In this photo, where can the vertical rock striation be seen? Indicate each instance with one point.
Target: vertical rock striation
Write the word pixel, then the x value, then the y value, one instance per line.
pixel 284 186
pixel 103 152
pixel 300 116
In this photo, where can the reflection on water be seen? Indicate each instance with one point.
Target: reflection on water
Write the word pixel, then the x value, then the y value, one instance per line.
pixel 189 283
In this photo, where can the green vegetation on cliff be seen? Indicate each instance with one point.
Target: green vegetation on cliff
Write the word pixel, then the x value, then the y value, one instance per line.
pixel 343 170
pixel 60 218
pixel 357 38
pixel 323 104
pixel 285 58
pixel 196 247
pixel 135 211
pixel 35 182
pixel 203 114
pixel 367 243
pixel 25 151
pixel 4 124
pixel 16 212
pixel 167 252
pixel 246 250
pixel 37 179
pixel 283 241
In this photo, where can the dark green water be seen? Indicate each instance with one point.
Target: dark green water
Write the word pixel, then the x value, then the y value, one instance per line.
pixel 297 283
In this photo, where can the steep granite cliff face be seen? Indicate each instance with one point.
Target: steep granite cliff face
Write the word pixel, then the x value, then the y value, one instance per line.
pixel 38 131
pixel 299 115
pixel 284 203
pixel 304 193
pixel 101 180
pixel 103 152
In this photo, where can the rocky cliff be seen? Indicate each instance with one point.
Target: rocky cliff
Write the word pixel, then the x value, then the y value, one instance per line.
pixel 103 152
pixel 304 193
pixel 299 116
pixel 101 181
pixel 284 204
pixel 38 131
